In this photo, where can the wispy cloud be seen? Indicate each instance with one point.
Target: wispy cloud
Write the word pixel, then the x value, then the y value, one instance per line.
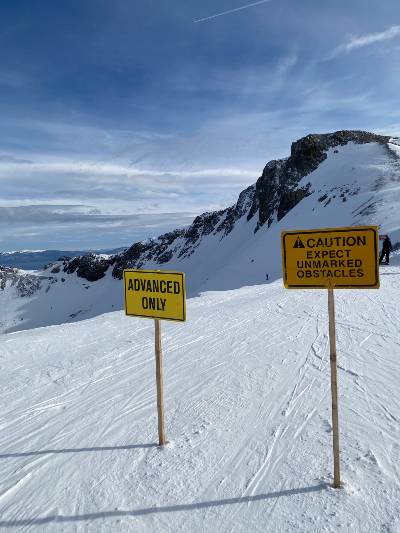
pixel 59 226
pixel 110 170
pixel 287 63
pixel 9 158
pixel 355 42
pixel 231 11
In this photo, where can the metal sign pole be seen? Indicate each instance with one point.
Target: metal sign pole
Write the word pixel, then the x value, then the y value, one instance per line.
pixel 335 415
pixel 160 387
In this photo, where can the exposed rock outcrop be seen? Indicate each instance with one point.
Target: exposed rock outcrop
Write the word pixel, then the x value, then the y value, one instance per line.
pixel 91 267
pixel 277 190
pixel 25 284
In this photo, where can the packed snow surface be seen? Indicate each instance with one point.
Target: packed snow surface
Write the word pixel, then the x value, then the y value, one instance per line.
pixel 247 399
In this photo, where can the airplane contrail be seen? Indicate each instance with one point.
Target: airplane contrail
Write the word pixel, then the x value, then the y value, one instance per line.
pixel 232 11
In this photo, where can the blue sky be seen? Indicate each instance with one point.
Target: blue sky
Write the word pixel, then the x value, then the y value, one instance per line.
pixel 124 119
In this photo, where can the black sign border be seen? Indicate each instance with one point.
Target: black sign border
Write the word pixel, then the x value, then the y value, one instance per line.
pixel 375 285
pixel 159 272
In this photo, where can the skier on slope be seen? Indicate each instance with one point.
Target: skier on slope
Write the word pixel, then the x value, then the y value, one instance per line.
pixel 386 249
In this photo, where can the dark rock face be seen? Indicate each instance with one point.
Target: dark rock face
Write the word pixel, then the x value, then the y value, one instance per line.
pixel 150 250
pixel 6 274
pixel 274 194
pixel 25 284
pixel 90 267
pixel 242 206
pixel 277 188
pixel 183 242
pixel 307 153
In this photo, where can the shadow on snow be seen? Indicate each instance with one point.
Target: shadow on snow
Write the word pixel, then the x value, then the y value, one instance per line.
pixel 77 450
pixel 159 510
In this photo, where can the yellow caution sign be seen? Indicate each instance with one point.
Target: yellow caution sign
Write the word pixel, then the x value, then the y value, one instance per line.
pixel 155 294
pixel 344 258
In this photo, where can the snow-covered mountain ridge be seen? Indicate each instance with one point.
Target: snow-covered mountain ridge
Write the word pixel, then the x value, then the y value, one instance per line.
pixel 342 178
pixel 274 194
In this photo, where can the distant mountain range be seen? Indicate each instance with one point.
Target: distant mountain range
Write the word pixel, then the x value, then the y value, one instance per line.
pixel 345 178
pixel 39 259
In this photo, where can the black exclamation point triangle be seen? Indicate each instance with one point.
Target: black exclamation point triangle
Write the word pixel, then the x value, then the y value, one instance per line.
pixel 298 243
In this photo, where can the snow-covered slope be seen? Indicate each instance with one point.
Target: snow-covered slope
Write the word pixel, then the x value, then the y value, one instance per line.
pixel 247 414
pixel 345 178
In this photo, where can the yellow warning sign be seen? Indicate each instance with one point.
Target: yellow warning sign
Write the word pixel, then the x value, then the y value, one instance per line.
pixel 155 294
pixel 344 258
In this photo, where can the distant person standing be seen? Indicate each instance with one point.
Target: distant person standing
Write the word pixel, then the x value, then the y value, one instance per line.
pixel 386 249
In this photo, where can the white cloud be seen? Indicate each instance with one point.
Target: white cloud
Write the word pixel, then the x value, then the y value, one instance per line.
pixel 355 42
pixel 97 169
pixel 73 203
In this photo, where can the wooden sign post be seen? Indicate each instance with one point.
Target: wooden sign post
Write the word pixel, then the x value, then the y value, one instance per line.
pixel 160 384
pixel 160 295
pixel 345 258
pixel 334 389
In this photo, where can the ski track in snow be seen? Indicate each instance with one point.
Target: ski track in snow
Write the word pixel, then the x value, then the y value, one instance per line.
pixel 247 399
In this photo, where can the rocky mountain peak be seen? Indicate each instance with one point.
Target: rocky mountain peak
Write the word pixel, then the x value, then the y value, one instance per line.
pixel 274 194
pixel 277 190
pixel 308 152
